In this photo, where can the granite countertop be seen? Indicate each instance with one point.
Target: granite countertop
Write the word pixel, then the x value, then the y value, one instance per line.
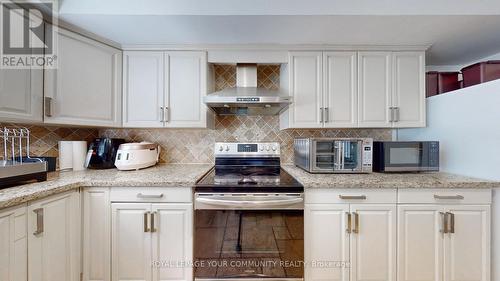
pixel 387 180
pixel 168 175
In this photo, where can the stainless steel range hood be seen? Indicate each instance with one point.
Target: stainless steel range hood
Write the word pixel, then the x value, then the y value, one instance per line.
pixel 247 98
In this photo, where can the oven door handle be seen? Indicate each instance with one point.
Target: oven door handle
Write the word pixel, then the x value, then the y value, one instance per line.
pixel 249 203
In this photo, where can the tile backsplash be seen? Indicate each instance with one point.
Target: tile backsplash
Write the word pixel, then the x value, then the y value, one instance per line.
pixel 44 139
pixel 196 145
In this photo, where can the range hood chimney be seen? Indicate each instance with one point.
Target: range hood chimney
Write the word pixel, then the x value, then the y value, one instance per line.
pixel 247 98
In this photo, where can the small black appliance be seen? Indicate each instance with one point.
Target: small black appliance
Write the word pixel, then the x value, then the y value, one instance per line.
pixel 102 153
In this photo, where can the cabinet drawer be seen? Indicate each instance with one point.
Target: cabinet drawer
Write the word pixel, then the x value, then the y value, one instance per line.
pixel 151 194
pixel 350 196
pixel 444 196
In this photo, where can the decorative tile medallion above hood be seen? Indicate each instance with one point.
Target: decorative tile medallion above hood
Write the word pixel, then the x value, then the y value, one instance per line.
pixel 247 98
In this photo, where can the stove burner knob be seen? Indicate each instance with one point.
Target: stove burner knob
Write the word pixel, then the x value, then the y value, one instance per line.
pixel 261 148
pixel 221 148
pixel 274 148
pixel 227 147
pixel 267 147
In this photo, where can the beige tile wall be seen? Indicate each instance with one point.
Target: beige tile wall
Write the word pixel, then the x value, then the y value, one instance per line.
pixel 196 145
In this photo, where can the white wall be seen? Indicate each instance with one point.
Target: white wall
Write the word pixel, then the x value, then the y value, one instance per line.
pixel 467 123
pixel 451 68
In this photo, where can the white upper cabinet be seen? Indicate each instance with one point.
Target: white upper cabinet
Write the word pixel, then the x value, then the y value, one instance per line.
pixel 21 95
pixel 143 89
pixel 186 80
pixel 305 72
pixel 340 100
pixel 408 99
pixel 85 89
pixel 374 86
pixel 165 89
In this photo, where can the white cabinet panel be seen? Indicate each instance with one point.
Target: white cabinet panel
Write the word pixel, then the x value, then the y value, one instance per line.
pixel 131 241
pixel 373 247
pixel 54 241
pixel 374 89
pixel 143 89
pixel 467 248
pixel 13 244
pixel 85 89
pixel 409 89
pixel 326 239
pixel 186 75
pixel 96 235
pixel 21 95
pixel 172 240
pixel 305 70
pixel 420 243
pixel 340 89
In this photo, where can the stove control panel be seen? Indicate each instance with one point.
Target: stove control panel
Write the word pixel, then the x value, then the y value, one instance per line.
pixel 240 149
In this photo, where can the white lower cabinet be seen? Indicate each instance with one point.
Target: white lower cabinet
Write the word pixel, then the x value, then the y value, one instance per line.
pixel 13 244
pixel 447 240
pixel 96 258
pixel 54 238
pixel 149 240
pixel 350 240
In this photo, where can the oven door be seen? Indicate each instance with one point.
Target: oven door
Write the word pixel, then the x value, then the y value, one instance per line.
pixel 249 236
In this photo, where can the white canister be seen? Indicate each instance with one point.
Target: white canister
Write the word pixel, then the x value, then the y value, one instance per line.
pixel 65 155
pixel 79 155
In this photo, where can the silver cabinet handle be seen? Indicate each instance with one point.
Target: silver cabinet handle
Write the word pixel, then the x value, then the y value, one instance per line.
pixel 146 216
pixel 451 222
pixel 349 222
pixel 153 229
pixel 352 197
pixel 327 113
pixel 48 106
pixel 162 114
pixel 39 221
pixel 356 223
pixel 321 112
pixel 391 113
pixel 149 196
pixel 449 197
pixel 396 114
pixel 444 217
pixel 166 114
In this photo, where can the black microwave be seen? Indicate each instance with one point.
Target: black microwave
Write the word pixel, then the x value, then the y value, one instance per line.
pixel 405 156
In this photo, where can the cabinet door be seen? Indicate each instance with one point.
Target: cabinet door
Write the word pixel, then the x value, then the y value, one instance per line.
pixel 186 80
pixel 467 248
pixel 305 70
pixel 420 243
pixel 96 235
pixel 13 245
pixel 172 241
pixel 21 95
pixel 373 247
pixel 326 240
pixel 143 89
pixel 374 89
pixel 54 238
pixel 340 89
pixel 85 89
pixel 131 241
pixel 408 97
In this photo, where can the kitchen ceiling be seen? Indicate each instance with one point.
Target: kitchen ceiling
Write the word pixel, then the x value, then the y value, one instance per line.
pixel 461 34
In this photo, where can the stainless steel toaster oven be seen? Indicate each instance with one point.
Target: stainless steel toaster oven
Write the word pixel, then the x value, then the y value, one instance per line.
pixel 334 155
